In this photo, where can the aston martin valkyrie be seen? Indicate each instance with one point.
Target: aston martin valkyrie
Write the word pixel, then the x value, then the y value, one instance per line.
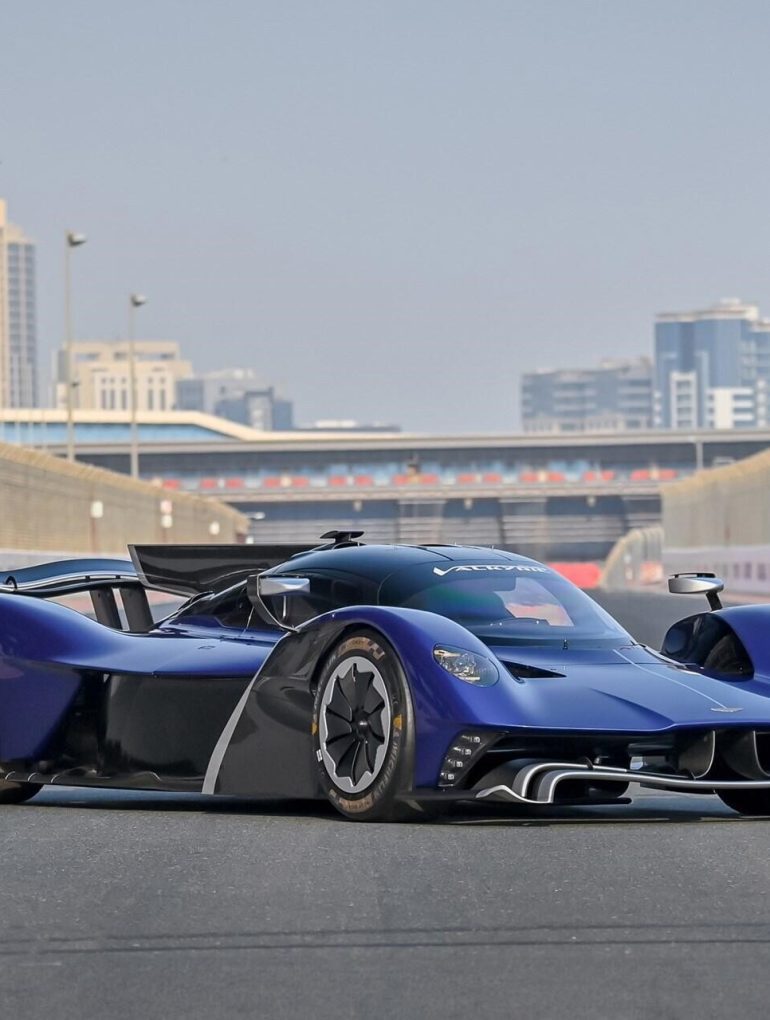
pixel 392 680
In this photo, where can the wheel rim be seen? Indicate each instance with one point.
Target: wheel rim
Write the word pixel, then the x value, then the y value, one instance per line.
pixel 354 724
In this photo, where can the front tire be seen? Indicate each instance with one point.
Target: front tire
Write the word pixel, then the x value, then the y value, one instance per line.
pixel 747 802
pixel 17 793
pixel 363 729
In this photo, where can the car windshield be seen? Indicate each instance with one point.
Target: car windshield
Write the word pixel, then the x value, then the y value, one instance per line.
pixel 517 603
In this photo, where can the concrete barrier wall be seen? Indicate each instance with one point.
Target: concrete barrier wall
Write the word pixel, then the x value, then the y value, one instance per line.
pixel 49 504
pixel 634 560
pixel 719 520
pixel 723 506
pixel 745 569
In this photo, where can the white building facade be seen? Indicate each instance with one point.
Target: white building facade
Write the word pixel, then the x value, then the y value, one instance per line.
pixel 101 375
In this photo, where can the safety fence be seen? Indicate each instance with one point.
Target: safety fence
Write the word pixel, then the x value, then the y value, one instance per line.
pixel 50 504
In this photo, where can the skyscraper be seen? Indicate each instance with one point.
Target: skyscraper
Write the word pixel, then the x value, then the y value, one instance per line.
pixel 615 396
pixel 18 327
pixel 712 367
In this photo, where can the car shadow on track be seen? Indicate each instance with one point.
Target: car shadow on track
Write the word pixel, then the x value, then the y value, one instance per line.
pixel 643 809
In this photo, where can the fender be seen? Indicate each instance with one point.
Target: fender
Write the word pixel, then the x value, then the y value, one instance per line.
pixel 752 625
pixel 266 750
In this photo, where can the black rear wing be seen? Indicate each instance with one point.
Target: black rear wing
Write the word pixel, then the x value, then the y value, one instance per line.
pixel 178 569
pixel 191 569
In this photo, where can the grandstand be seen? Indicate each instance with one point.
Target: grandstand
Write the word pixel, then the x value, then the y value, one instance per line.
pixel 555 497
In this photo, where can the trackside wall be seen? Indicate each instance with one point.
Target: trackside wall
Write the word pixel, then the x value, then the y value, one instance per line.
pixel 50 504
pixel 719 520
pixel 634 560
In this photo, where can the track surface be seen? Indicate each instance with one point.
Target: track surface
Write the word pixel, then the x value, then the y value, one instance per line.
pixel 134 906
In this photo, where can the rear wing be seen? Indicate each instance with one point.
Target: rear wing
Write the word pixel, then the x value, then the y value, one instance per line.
pixel 191 569
pixel 178 569
pixel 101 578
pixel 66 577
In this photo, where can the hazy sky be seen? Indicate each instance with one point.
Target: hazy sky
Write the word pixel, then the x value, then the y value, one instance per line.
pixel 390 209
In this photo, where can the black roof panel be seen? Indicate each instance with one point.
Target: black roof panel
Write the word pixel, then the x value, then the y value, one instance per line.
pixel 377 562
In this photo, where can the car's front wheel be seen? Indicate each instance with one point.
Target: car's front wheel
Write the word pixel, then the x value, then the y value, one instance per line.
pixel 17 793
pixel 747 802
pixel 363 728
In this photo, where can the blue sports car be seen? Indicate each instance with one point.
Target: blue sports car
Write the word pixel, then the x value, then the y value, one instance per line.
pixel 392 680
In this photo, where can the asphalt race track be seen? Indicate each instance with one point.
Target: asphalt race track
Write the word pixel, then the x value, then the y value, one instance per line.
pixel 134 906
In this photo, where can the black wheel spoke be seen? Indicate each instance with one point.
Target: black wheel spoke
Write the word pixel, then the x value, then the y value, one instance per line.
pixel 336 727
pixel 359 762
pixel 341 736
pixel 374 703
pixel 339 705
pixel 375 728
pixel 370 746
pixel 363 686
pixel 347 758
pixel 340 748
pixel 346 685
pixel 372 700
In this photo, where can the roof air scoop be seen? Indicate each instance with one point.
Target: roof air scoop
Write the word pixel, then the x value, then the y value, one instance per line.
pixel 339 539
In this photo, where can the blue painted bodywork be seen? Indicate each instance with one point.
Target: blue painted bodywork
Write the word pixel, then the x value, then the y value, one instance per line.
pixel 613 687
pixel 625 690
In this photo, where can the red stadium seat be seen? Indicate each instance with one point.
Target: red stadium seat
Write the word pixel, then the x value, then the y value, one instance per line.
pixel 584 575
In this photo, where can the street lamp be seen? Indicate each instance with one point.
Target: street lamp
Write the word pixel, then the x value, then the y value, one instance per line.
pixel 135 301
pixel 72 240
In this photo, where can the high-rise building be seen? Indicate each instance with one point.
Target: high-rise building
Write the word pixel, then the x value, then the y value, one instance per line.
pixel 101 374
pixel 712 367
pixel 18 327
pixel 236 394
pixel 615 396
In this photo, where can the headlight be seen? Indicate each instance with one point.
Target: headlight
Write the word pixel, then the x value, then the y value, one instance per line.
pixel 474 669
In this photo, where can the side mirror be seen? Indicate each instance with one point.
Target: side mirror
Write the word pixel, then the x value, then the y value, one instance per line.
pixel 698 584
pixel 261 585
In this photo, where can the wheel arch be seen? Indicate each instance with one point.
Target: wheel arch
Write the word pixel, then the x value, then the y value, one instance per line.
pixel 270 748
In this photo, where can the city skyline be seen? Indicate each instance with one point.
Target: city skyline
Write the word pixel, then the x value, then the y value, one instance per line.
pixel 390 212
pixel 710 369
pixel 600 397
pixel 18 316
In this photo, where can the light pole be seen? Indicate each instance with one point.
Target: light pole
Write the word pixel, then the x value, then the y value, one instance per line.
pixel 135 301
pixel 71 240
